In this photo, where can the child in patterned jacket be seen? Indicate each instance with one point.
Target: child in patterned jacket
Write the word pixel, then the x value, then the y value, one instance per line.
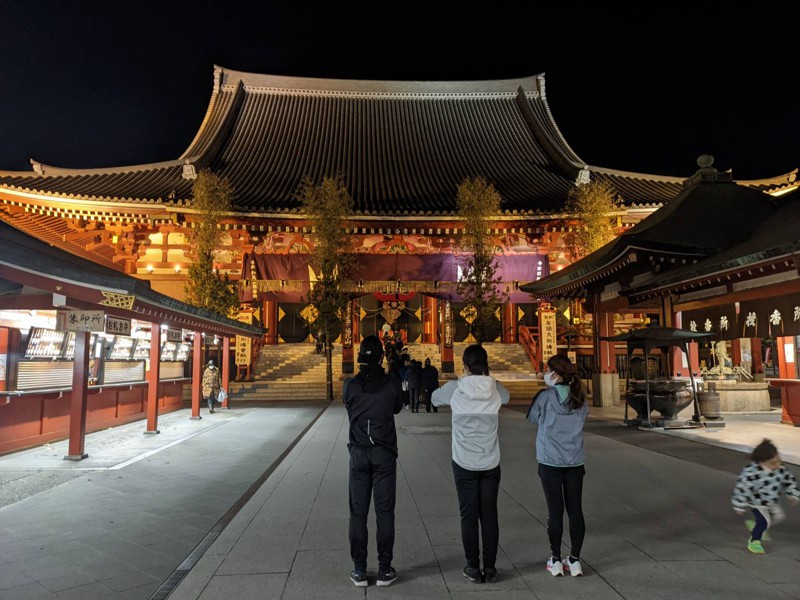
pixel 759 488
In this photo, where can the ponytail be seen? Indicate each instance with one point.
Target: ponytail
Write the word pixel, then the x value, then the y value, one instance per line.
pixel 563 367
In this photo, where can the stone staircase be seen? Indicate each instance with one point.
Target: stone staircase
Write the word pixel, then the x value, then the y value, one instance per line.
pixel 509 364
pixel 295 372
pixel 288 373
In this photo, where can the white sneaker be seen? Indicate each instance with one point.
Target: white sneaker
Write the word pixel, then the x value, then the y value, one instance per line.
pixel 556 567
pixel 575 568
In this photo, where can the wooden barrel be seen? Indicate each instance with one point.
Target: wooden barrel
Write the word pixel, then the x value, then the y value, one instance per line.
pixel 709 404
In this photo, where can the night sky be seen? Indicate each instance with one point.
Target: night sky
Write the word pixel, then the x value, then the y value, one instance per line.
pixel 93 84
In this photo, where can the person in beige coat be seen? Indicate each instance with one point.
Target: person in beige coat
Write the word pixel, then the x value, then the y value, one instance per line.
pixel 211 385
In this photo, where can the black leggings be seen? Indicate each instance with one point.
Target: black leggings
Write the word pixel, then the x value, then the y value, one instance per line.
pixel 563 487
pixel 477 500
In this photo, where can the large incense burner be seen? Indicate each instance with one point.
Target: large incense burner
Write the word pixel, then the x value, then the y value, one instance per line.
pixel 667 396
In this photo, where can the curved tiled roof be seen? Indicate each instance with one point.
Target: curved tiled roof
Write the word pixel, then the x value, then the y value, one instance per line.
pixel 401 147
pixel 711 214
pixel 775 239
pixel 47 266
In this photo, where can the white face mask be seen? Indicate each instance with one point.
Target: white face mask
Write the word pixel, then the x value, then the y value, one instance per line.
pixel 551 378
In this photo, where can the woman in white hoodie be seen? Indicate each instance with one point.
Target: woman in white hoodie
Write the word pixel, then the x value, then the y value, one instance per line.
pixel 475 401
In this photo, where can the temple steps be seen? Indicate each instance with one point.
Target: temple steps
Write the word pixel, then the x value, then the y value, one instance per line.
pixel 295 372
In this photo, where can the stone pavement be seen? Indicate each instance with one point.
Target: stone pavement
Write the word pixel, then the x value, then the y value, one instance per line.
pixel 249 506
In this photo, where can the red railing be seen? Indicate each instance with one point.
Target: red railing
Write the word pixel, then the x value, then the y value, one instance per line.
pixel 527 339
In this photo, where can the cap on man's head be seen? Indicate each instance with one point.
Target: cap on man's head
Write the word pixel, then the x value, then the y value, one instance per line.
pixel 211 363
pixel 371 351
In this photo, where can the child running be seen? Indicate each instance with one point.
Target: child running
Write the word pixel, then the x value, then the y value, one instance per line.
pixel 759 488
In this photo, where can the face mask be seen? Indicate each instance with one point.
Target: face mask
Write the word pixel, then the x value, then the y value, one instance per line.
pixel 551 378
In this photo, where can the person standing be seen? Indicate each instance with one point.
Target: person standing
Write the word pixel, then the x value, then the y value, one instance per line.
pixel 560 411
pixel 372 398
pixel 475 401
pixel 414 384
pixel 211 385
pixel 405 369
pixel 430 382
pixel 759 488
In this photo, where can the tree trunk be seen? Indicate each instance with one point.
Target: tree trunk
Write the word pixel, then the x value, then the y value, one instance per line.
pixel 328 369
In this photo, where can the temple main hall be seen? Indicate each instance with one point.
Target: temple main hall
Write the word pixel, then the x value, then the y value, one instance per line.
pixel 400 147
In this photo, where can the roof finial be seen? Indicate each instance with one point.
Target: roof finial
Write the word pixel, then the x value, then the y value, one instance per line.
pixel 584 176
pixel 217 79
pixel 189 172
pixel 705 161
pixel 707 173
pixel 38 167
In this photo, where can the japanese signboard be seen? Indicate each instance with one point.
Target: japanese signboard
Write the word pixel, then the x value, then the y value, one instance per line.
pixel 547 332
pixel 713 319
pixel 770 317
pixel 347 332
pixel 447 319
pixel 80 320
pixel 118 326
pixel 244 350
pixel 174 335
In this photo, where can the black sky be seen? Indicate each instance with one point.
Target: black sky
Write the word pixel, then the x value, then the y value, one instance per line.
pixel 90 84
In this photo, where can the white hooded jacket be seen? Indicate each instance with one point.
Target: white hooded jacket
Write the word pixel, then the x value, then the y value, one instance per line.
pixel 474 401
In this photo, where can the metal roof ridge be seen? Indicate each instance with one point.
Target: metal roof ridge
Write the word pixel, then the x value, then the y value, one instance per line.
pixel 635 174
pixel 308 84
pixel 789 177
pixel 45 170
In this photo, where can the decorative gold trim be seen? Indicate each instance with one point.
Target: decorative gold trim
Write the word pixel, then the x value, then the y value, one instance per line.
pixel 117 300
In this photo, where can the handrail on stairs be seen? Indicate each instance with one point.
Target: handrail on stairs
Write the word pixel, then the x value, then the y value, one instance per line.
pixel 527 339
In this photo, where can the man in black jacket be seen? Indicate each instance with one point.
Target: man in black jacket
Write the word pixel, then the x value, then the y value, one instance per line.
pixel 430 383
pixel 372 398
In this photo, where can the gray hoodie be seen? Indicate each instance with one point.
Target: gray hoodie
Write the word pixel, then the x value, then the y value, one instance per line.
pixel 559 440
pixel 474 402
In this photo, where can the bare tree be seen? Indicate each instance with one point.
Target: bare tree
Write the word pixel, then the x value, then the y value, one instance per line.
pixel 329 208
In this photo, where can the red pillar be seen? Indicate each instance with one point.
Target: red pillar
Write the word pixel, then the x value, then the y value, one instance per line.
pixel 758 359
pixel 197 374
pixel 78 402
pixel 736 347
pixel 226 367
pixel 694 358
pixel 152 379
pixel 430 320
pixel 787 369
pixel 509 323
pixel 448 366
pixel 357 321
pixel 271 321
pixel 606 354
